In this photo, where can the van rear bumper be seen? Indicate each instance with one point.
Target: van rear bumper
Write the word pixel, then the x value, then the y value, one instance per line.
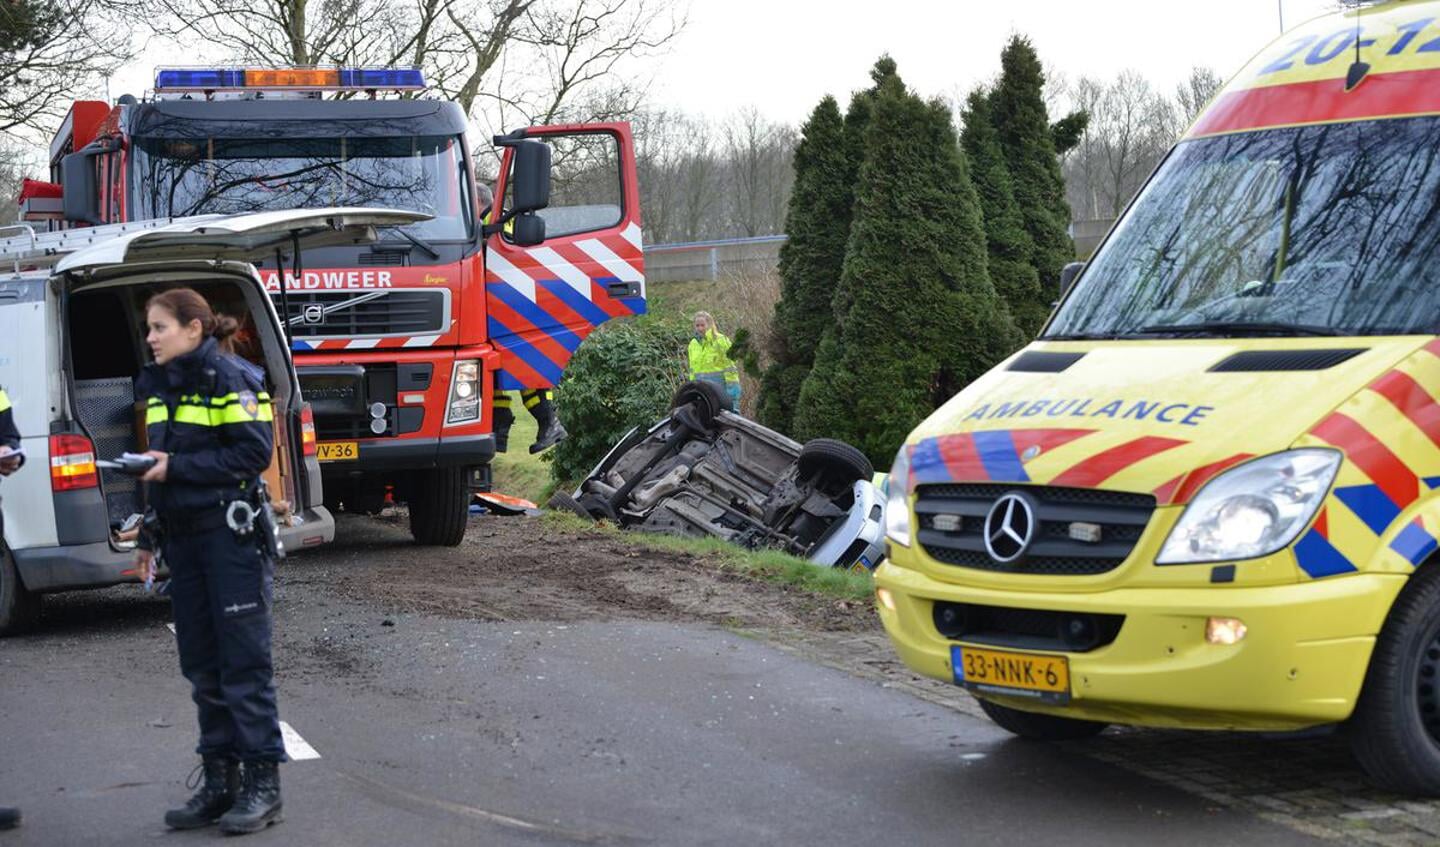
pixel 72 566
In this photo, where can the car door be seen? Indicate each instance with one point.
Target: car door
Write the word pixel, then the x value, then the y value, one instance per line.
pixel 542 301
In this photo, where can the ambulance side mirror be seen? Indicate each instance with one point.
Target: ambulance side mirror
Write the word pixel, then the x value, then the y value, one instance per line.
pixel 1068 274
pixel 531 174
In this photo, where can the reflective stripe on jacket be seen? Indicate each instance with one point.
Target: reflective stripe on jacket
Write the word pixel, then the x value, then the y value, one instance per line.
pixel 214 418
pixel 9 435
pixel 711 357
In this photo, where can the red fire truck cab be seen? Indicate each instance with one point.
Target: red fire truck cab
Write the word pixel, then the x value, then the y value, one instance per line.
pixel 401 344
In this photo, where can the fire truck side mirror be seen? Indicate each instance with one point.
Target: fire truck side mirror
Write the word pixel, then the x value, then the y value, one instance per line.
pixel 80 196
pixel 529 230
pixel 531 173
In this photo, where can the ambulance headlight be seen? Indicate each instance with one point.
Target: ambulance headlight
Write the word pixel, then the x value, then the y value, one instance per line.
pixel 1252 510
pixel 897 499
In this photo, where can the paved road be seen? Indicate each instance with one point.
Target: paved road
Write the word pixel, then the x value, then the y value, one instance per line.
pixel 442 731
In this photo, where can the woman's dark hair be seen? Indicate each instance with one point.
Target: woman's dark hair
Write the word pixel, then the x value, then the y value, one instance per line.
pixel 187 305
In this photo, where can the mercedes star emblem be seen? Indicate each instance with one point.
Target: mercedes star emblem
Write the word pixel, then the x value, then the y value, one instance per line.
pixel 1009 528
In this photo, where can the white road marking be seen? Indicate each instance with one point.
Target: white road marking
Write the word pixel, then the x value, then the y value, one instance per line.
pixel 172 627
pixel 296 747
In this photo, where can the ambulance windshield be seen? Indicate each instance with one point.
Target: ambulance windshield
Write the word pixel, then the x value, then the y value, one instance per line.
pixel 192 176
pixel 1318 230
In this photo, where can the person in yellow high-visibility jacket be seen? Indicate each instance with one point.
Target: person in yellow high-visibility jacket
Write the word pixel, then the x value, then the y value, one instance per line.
pixel 539 401
pixel 710 358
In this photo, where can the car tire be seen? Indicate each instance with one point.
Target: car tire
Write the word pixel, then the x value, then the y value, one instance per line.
pixel 707 398
pixel 839 461
pixel 1038 727
pixel 1395 730
pixel 562 502
pixel 440 507
pixel 19 607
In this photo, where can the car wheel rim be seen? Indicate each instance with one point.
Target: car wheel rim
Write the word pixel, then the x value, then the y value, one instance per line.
pixel 1427 687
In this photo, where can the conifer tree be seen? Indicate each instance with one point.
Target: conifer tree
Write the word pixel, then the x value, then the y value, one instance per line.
pixel 916 317
pixel 1017 106
pixel 1010 248
pixel 817 224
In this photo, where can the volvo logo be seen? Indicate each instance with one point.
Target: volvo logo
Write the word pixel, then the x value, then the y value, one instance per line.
pixel 1009 528
pixel 314 313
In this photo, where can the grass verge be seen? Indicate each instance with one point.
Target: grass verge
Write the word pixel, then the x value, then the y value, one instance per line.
pixel 768 565
pixel 517 472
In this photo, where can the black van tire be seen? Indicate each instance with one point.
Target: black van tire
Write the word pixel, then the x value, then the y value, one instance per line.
pixel 439 507
pixel 841 462
pixel 1387 732
pixel 19 607
pixel 1038 727
pixel 707 398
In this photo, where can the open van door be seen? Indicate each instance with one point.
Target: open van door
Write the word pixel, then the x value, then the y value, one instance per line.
pixel 542 300
pixel 239 238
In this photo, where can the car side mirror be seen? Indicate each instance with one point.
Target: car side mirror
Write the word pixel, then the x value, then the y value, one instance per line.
pixel 1068 274
pixel 531 175
pixel 80 196
pixel 529 230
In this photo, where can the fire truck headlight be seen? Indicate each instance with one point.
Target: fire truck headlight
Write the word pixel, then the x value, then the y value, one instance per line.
pixel 1252 510
pixel 465 393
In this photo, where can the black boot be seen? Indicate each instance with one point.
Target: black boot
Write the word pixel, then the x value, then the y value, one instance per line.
pixel 259 803
pixel 9 818
pixel 551 434
pixel 219 783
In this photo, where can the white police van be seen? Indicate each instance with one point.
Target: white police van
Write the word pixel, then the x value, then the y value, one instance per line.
pixel 72 341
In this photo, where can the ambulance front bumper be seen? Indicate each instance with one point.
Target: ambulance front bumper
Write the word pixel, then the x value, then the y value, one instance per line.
pixel 1301 662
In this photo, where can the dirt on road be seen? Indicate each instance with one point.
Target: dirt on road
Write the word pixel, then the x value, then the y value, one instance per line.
pixel 519 568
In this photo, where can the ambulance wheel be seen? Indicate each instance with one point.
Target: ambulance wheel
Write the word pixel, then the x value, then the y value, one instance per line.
pixel 19 608
pixel 439 507
pixel 1040 727
pixel 1395 730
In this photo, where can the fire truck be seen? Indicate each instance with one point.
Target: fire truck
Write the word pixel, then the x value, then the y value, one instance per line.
pixel 400 344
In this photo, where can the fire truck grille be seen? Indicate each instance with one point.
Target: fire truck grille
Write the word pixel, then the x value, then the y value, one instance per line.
pixel 1078 531
pixel 336 314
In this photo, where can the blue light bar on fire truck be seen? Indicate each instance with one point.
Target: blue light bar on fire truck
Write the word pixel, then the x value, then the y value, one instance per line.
pixel 288 79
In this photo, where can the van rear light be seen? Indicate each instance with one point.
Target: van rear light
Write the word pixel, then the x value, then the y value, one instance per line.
pixel 72 463
pixel 307 431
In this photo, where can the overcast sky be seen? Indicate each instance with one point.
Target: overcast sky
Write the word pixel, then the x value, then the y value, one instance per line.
pixel 781 56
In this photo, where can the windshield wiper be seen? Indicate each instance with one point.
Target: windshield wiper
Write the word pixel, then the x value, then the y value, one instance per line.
pixel 417 241
pixel 1222 328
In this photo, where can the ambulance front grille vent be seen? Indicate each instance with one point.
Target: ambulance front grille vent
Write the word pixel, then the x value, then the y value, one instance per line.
pixel 1251 361
pixel 1082 531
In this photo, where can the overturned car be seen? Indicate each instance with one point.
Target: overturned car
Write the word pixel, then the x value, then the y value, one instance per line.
pixel 704 471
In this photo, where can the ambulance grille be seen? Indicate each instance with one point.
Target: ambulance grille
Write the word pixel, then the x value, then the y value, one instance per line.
pixel 958 539
pixel 335 314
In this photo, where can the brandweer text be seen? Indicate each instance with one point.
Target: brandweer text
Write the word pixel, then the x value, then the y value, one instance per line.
pixel 313 280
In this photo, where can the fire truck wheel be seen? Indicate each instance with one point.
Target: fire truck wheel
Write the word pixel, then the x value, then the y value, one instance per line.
pixel 1040 727
pixel 19 608
pixel 439 507
pixel 1395 730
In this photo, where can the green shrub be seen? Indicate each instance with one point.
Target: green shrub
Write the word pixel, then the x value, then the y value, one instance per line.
pixel 623 376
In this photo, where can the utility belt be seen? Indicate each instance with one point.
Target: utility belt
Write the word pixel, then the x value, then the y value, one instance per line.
pixel 248 518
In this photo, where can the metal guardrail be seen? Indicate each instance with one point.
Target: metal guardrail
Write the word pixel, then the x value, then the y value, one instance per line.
pixel 709 260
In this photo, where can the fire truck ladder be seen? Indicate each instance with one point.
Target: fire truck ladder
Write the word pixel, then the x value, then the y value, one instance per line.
pixel 31 249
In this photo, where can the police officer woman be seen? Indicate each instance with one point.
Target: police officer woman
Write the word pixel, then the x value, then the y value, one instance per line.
pixel 10 462
pixel 208 422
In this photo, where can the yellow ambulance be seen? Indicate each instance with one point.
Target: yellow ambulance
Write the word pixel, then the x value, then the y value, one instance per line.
pixel 1206 496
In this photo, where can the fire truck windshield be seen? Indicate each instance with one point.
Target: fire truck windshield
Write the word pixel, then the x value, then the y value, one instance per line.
pixel 192 176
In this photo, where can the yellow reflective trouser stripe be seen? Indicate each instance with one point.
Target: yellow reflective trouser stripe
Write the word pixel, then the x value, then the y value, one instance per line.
pixel 532 398
pixel 4 401
pixel 502 399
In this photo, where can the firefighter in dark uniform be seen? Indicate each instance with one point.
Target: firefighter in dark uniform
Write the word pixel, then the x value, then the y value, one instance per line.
pixel 9 442
pixel 208 423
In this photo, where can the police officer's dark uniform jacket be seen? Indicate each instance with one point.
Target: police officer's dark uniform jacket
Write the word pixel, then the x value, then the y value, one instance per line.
pixel 212 416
